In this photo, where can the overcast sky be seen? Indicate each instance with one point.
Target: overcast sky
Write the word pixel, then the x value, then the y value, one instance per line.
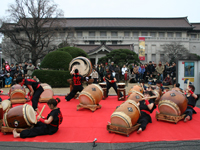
pixel 124 8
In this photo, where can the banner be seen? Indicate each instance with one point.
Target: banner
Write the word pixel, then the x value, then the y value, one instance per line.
pixel 141 48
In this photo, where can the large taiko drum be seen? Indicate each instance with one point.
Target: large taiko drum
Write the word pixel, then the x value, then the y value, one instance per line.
pixel 126 115
pixel 136 89
pixel 157 92
pixel 21 116
pixel 47 93
pixel 1 112
pixel 91 95
pixel 83 64
pixel 136 96
pixel 17 92
pixel 177 89
pixel 172 103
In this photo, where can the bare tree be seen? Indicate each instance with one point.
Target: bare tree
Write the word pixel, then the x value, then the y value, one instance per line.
pixel 33 26
pixel 173 51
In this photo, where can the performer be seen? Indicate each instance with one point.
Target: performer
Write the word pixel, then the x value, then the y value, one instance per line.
pixel 44 126
pixel 111 82
pixel 146 107
pixel 35 90
pixel 77 79
pixel 192 99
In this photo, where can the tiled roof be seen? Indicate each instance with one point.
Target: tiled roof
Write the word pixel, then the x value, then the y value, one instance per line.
pixel 92 48
pixel 196 26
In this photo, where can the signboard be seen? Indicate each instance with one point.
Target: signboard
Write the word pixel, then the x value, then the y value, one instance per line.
pixel 141 48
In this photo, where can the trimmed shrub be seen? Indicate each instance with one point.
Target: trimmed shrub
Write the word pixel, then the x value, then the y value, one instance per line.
pixel 55 78
pixel 74 51
pixel 56 60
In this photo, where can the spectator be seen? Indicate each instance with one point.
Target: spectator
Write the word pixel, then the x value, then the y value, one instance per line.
pixel 21 70
pixel 150 80
pixel 25 67
pixel 143 85
pixel 126 77
pixel 14 80
pixel 18 73
pixel 157 77
pixel 36 79
pixel 100 71
pixel 173 72
pixel 117 72
pixel 160 69
pixel 12 68
pixel 38 66
pixel 7 67
pixel 167 80
pixel 3 74
pixel 135 70
pixel 30 68
pixel 95 76
pixel 112 68
pixel 8 81
pixel 167 70
pixel 124 68
pixel 141 71
pixel 151 68
pixel 133 78
pixel 106 67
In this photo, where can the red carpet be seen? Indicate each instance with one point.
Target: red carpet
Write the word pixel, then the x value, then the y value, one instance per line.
pixel 83 126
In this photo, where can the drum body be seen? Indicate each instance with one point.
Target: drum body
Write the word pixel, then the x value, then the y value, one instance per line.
pixel 172 103
pixel 121 85
pixel 136 88
pixel 157 92
pixel 91 95
pixel 17 92
pixel 103 85
pixel 136 96
pixel 21 116
pixel 83 65
pixel 6 105
pixel 1 112
pixel 48 91
pixel 126 115
pixel 177 89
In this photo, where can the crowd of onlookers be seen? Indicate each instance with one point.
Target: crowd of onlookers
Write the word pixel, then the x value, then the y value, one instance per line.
pixel 148 72
pixel 9 73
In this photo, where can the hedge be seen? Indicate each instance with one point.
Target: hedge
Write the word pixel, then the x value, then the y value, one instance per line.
pixel 55 78
pixel 74 51
pixel 56 60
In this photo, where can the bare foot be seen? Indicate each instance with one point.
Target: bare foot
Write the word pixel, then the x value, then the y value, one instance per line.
pixel 15 134
pixel 187 119
pixel 139 131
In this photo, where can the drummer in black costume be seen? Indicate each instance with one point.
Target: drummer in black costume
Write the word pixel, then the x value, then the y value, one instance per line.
pixel 192 99
pixel 146 108
pixel 77 79
pixel 46 126
pixel 111 82
pixel 35 90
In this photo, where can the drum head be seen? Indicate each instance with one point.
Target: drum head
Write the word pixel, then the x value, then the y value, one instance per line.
pixel 169 108
pixel 47 93
pixel 6 104
pixel 120 118
pixel 86 99
pixel 30 114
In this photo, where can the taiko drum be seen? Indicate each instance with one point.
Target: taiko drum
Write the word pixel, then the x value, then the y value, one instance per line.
pixel 17 92
pixel 136 89
pixel 172 103
pixel 91 95
pixel 126 115
pixel 136 96
pixel 48 91
pixel 21 116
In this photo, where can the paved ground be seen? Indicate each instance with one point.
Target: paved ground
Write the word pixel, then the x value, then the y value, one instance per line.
pixel 163 145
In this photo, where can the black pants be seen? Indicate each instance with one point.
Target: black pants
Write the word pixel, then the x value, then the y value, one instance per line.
pixel 114 85
pixel 144 120
pixel 77 88
pixel 39 129
pixel 189 112
pixel 36 97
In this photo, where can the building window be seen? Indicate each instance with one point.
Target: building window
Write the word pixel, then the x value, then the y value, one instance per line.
pixel 178 34
pixel 169 34
pixel 92 33
pixel 153 34
pixel 91 42
pixel 144 34
pixel 193 36
pixel 114 33
pixel 161 57
pixel 103 42
pixel 71 34
pixel 153 57
pixel 103 33
pixel 126 34
pixel 79 34
pixel 135 34
pixel 161 34
pixel 114 42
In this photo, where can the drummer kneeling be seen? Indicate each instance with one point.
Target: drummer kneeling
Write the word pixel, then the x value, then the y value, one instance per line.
pixel 47 126
pixel 192 99
pixel 146 107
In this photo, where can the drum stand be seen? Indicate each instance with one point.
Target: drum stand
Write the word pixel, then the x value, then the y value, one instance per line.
pixel 169 118
pixel 1 123
pixel 124 94
pixel 91 107
pixel 17 101
pixel 122 130
pixel 104 93
pixel 44 100
pixel 5 129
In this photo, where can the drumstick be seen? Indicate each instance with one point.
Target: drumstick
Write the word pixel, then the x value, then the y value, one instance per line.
pixel 147 98
pixel 40 113
pixel 188 82
pixel 142 86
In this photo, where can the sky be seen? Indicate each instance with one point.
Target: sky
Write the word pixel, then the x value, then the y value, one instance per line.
pixel 124 8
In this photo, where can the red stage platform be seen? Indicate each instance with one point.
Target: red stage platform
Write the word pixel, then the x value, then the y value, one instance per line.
pixel 84 125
